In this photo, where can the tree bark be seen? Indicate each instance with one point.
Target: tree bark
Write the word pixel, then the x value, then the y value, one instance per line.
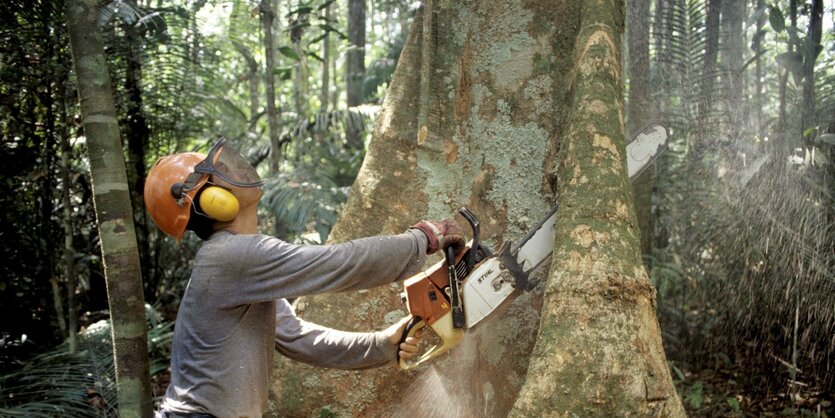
pixel 113 211
pixel 498 96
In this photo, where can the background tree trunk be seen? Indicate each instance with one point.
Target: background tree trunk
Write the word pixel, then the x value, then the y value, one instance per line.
pixel 267 17
pixel 757 46
pixel 138 136
pixel 810 56
pixel 714 9
pixel 792 30
pixel 496 107
pixel 113 211
pixel 640 108
pixel 326 62
pixel 355 67
pixel 733 51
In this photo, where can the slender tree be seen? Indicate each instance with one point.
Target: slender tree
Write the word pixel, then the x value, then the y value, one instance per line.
pixel 792 30
pixel 509 126
pixel 733 49
pixel 113 210
pixel 640 107
pixel 811 50
pixel 267 18
pixel 757 46
pixel 355 65
pixel 326 59
pixel 714 8
pixel 138 136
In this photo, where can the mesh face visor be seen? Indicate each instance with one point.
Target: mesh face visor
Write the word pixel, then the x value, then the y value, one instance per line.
pixel 226 162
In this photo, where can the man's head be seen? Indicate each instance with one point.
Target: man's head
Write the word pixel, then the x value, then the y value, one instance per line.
pixel 194 191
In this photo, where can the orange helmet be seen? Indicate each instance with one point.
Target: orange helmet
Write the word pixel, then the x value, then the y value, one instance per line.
pixel 169 213
pixel 175 180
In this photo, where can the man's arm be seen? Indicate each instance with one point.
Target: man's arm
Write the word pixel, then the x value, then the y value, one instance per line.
pixel 324 347
pixel 258 268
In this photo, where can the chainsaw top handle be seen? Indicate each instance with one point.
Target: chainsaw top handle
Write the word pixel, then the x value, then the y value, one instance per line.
pixel 473 221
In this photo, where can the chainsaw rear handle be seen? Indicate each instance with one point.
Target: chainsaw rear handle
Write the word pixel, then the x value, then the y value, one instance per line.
pixel 449 335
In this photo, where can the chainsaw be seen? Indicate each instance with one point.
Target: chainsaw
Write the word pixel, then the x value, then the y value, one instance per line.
pixel 471 282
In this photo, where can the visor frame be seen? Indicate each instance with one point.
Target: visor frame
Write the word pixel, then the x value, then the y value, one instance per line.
pixel 206 168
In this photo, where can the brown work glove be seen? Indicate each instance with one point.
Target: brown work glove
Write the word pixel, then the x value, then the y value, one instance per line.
pixel 441 234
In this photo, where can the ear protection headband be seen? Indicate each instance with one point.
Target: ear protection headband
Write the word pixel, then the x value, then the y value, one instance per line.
pixel 218 203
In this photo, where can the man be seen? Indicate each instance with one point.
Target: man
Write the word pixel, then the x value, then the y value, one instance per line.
pixel 234 312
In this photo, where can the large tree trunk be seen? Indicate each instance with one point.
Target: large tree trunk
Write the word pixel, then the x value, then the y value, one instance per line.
pixel 598 352
pixel 500 89
pixel 113 211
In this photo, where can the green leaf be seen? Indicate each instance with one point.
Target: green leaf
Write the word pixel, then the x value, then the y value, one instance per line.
pixel 284 73
pixel 776 19
pixel 734 404
pixel 289 53
pixel 328 28
pixel 694 395
pixel 828 139
pixel 325 4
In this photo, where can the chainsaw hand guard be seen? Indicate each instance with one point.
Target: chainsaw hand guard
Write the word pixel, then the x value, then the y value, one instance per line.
pixel 443 329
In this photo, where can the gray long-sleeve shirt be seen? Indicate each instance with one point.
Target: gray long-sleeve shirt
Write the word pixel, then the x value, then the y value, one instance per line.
pixel 228 326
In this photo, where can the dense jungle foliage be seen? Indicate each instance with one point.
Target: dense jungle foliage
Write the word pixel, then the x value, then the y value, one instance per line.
pixel 738 214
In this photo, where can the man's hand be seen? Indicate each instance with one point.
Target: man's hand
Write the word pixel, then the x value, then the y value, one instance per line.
pixel 441 234
pixel 407 349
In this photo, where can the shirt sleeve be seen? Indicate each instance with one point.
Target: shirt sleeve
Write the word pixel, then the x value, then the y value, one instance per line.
pixel 259 268
pixel 324 347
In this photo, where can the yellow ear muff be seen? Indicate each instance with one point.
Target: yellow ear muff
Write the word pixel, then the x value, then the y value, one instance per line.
pixel 219 203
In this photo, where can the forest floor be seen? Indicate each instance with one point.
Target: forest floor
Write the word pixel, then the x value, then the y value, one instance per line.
pixel 721 393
